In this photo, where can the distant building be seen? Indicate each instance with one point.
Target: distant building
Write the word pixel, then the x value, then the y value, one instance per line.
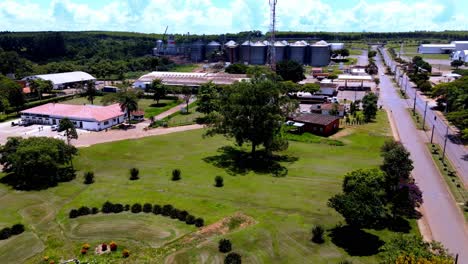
pixel 326 108
pixel 461 55
pixel 454 46
pixel 192 79
pixel 88 117
pixel 64 80
pixel 324 125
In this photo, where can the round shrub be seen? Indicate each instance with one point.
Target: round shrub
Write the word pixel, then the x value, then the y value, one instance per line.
pixel 317 234
pixel 134 174
pixel 94 210
pixel 113 246
pixel 147 208
pixel 104 247
pixel 190 220
pixel 17 229
pixel 157 209
pixel 83 251
pixel 233 258
pixel 182 215
pixel 174 213
pixel 84 210
pixel 176 175
pixel 224 245
pixel 107 207
pixel 88 177
pixel 86 246
pixel 199 222
pixel 125 253
pixel 73 213
pixel 167 209
pixel 136 208
pixel 127 207
pixel 5 233
pixel 118 208
pixel 219 181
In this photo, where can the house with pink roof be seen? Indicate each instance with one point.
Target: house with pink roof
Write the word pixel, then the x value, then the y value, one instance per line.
pixel 88 117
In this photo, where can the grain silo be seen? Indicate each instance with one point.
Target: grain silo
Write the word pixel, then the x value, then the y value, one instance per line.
pixel 245 52
pixel 297 51
pixel 258 53
pixel 212 48
pixel 320 54
pixel 197 51
pixel 232 51
pixel 280 51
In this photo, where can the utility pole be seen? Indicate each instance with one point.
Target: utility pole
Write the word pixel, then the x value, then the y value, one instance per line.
pixel 424 119
pixel 414 105
pixel 445 145
pixel 271 47
pixel 432 134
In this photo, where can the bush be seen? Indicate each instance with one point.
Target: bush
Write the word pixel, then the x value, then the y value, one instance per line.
pixel 134 174
pixel 107 207
pixel 190 220
pixel 176 175
pixel 219 181
pixel 86 246
pixel 88 177
pixel 157 209
pixel 17 229
pixel 182 215
pixel 136 208
pixel 104 247
pixel 317 234
pixel 199 222
pixel 126 207
pixel 5 233
pixel 224 245
pixel 166 210
pixel 174 213
pixel 118 208
pixel 94 210
pixel 73 213
pixel 113 246
pixel 84 210
pixel 125 253
pixel 83 251
pixel 147 208
pixel 233 258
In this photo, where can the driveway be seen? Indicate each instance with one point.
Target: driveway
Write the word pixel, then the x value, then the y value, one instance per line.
pixel 443 217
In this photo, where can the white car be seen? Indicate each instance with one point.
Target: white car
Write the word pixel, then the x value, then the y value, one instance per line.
pixel 54 127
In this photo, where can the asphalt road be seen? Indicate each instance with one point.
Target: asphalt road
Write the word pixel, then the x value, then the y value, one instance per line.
pixel 442 215
pixel 455 151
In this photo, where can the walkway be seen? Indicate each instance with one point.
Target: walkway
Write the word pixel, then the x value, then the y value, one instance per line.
pixel 443 217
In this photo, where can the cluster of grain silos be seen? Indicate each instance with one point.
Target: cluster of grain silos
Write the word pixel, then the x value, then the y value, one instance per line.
pixel 315 54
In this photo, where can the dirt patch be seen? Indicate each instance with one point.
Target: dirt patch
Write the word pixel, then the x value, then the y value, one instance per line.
pixel 343 133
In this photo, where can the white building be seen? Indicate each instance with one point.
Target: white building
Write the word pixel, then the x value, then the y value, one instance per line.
pixel 64 80
pixel 337 46
pixel 436 48
pixel 460 55
pixel 88 117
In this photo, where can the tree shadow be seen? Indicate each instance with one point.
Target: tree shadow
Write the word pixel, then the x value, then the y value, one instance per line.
pixel 18 184
pixel 465 157
pixel 158 105
pixel 399 224
pixel 236 161
pixel 355 241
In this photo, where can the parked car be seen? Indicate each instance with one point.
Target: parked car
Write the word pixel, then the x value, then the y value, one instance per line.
pixel 54 128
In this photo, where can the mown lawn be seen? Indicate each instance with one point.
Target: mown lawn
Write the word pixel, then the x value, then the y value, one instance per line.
pixel 284 207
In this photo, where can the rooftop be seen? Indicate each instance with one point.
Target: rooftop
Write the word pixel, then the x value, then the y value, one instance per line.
pixel 88 112
pixel 313 118
pixel 354 77
pixel 64 77
pixel 192 78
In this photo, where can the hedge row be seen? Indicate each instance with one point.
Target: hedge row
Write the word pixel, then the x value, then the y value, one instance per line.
pixel 165 210
pixel 7 232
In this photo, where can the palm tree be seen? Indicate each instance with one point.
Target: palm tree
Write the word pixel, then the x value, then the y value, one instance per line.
pixel 90 91
pixel 128 102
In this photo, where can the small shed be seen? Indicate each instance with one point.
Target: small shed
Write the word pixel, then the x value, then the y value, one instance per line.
pixel 324 125
pixel 138 115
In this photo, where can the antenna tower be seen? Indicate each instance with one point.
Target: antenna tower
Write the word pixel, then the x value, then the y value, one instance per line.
pixel 401 49
pixel 271 47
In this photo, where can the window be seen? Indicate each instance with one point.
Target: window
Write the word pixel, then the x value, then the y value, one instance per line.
pixel 106 122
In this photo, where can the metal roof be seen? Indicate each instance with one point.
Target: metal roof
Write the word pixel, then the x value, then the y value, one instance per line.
pixel 213 43
pixel 65 77
pixel 231 44
pixel 258 44
pixel 298 44
pixel 280 44
pixel 321 43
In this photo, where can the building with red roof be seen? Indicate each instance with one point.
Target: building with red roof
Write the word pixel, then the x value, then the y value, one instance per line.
pixel 88 117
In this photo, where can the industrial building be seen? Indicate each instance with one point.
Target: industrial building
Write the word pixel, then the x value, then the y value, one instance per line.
pixel 461 55
pixel 64 80
pixel 191 79
pixel 88 117
pixel 454 46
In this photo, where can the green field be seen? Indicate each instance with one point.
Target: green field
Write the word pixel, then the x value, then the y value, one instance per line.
pixel 148 105
pixel 284 207
pixel 411 51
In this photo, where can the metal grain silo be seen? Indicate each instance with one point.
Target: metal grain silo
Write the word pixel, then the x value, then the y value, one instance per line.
pixel 258 53
pixel 232 51
pixel 280 51
pixel 297 51
pixel 320 54
pixel 197 51
pixel 245 52
pixel 211 48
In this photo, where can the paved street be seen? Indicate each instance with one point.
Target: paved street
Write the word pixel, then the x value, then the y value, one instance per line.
pixel 443 217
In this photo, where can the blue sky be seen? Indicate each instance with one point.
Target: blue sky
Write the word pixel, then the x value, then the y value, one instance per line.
pixel 219 16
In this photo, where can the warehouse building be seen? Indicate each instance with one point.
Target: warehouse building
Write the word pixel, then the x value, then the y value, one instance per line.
pixel 64 80
pixel 88 117
pixel 191 79
pixel 454 46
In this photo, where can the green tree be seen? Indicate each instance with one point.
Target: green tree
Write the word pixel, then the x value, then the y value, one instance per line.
pixel 158 89
pixel 11 91
pixel 363 202
pixel 424 86
pixel 40 86
pixel 290 71
pixel 332 77
pixel 344 52
pixel 335 110
pixel 251 112
pixel 290 87
pixel 207 98
pixel 377 81
pixel 369 106
pixel 69 128
pixel 128 101
pixel 90 91
pixel 397 164
pixel 187 95
pixel 310 88
pixel 237 68
pixel 456 63
pixel 37 162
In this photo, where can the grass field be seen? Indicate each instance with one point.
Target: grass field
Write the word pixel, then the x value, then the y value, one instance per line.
pixel 284 208
pixel 149 106
pixel 412 51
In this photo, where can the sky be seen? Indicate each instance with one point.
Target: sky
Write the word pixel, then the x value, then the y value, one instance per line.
pixel 222 16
